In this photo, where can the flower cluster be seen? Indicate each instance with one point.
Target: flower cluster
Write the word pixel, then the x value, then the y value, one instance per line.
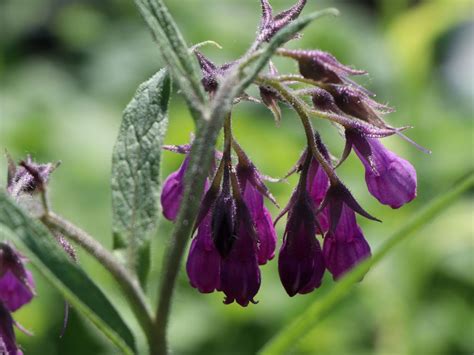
pixel 235 233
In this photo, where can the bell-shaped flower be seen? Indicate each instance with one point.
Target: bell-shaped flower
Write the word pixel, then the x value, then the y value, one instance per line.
pixel 253 192
pixel 203 264
pixel 173 190
pixel 345 247
pixel 390 178
pixel 17 287
pixel 300 263
pixel 240 275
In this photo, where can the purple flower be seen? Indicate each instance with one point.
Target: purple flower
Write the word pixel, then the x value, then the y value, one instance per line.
pixel 17 287
pixel 203 264
pixel 253 192
pixel 7 335
pixel 240 274
pixel 390 179
pixel 300 263
pixel 172 193
pixel 346 246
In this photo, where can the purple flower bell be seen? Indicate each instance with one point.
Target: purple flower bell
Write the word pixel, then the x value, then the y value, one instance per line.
pixel 7 334
pixel 240 275
pixel 346 246
pixel 172 193
pixel 300 262
pixel 390 179
pixel 203 264
pixel 253 192
pixel 17 287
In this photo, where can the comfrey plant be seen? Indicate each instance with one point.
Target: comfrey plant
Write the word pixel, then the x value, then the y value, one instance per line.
pixel 217 197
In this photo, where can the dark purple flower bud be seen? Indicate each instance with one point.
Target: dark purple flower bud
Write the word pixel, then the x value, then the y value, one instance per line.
pixel 270 24
pixel 7 334
pixel 300 262
pixel 211 73
pixel 28 177
pixel 317 187
pixel 203 264
pixel 357 104
pixel 240 274
pixel 172 193
pixel 321 66
pixel 346 246
pixel 17 287
pixel 271 97
pixel 390 179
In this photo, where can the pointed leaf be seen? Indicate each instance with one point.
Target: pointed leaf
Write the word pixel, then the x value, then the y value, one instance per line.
pixel 136 169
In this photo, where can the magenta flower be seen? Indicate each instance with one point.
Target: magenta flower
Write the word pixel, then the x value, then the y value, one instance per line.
pixel 346 246
pixel 390 179
pixel 240 274
pixel 172 193
pixel 253 192
pixel 300 263
pixel 7 334
pixel 17 287
pixel 203 264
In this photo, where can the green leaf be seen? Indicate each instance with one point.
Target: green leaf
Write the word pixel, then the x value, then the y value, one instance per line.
pixel 287 337
pixel 53 262
pixel 136 170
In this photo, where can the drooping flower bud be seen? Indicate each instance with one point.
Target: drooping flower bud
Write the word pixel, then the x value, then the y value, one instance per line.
pixel 300 262
pixel 8 344
pixel 240 274
pixel 203 264
pixel 390 179
pixel 253 192
pixel 17 286
pixel 321 66
pixel 172 193
pixel 346 246
pixel 270 97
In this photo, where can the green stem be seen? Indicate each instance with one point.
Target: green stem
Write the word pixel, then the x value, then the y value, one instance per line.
pixel 287 337
pixel 127 282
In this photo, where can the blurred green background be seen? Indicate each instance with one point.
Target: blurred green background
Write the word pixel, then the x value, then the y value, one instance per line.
pixel 68 68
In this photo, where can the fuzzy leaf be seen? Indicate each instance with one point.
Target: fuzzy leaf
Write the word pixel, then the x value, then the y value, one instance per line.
pixel 136 170
pixel 51 260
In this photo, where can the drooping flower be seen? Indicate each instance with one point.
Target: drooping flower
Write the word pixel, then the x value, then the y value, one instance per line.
pixel 300 263
pixel 8 344
pixel 253 193
pixel 270 97
pixel 346 246
pixel 17 286
pixel 203 264
pixel 172 193
pixel 390 179
pixel 240 275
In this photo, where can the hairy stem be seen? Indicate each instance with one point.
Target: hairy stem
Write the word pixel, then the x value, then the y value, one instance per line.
pixel 300 108
pixel 127 282
pixel 290 334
